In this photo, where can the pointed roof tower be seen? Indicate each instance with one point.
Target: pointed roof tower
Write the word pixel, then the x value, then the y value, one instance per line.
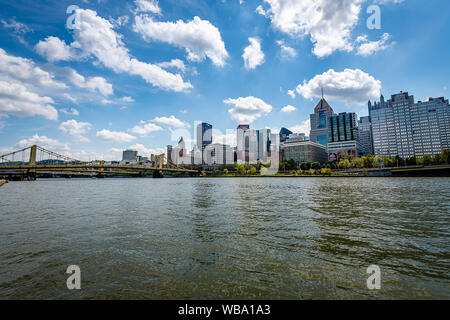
pixel 323 105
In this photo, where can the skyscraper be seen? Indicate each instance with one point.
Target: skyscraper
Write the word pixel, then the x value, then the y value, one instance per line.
pixel 343 136
pixel 319 131
pixel 204 136
pixel 404 128
pixel 240 142
pixel 365 135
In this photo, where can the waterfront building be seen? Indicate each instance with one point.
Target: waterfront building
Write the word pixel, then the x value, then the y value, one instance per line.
pixel 169 153
pixel 301 150
pixel 217 153
pixel 204 136
pixel 263 144
pixel 343 136
pixel 284 134
pixel 365 135
pixel 405 128
pixel 318 119
pixel 129 155
pixel 240 142
pixel 179 154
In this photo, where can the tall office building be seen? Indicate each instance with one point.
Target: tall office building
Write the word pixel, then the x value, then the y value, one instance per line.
pixel 319 130
pixel 404 128
pixel 240 142
pixel 204 136
pixel 343 136
pixel 365 135
pixel 129 155
pixel 263 141
pixel 169 153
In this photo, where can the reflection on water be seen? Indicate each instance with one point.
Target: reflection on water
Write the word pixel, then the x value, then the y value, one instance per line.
pixel 275 238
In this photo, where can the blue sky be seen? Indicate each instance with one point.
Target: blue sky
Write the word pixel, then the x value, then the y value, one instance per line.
pixel 140 73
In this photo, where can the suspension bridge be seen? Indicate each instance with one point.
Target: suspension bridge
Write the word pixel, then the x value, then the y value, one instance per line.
pixel 32 161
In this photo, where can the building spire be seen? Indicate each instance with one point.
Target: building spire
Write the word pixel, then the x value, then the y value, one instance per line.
pixel 322 92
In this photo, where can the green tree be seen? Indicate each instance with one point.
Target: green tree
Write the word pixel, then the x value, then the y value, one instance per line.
pixel 426 160
pixel 252 171
pixel 241 169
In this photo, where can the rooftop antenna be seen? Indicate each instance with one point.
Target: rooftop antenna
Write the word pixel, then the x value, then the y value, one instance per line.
pixel 322 93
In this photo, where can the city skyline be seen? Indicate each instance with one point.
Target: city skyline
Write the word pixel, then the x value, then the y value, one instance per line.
pixel 81 103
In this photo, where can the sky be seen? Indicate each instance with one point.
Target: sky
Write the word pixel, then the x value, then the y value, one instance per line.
pixel 90 78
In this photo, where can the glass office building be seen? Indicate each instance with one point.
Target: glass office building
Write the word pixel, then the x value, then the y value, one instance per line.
pixel 405 128
pixel 319 130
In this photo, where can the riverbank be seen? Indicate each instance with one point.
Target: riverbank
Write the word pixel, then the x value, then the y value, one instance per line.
pixel 2 182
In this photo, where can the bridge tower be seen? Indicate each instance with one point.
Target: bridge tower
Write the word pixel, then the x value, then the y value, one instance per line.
pixel 31 172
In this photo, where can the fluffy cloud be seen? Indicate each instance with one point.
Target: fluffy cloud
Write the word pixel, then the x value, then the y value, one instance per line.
pixel 291 93
pixel 349 86
pixel 174 63
pixel 286 51
pixel 145 128
pixel 328 22
pixel 76 129
pixel 127 99
pixel 54 49
pixel 95 37
pixel 247 109
pixel 172 121
pixel 25 71
pixel 253 55
pixel 288 109
pixel 304 127
pixel 198 37
pixel 147 6
pixel 71 111
pixel 114 136
pixel 44 142
pixel 17 99
pixel 93 83
pixel 367 48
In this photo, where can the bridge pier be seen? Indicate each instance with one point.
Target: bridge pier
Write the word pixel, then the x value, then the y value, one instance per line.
pixel 157 174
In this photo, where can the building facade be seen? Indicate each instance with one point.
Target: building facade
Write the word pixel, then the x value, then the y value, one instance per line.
pixel 318 119
pixel 204 136
pixel 365 135
pixel 301 150
pixel 240 142
pixel 129 155
pixel 405 128
pixel 343 136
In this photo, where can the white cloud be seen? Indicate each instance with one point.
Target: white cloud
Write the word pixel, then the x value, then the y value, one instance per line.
pixel 304 127
pixel 291 93
pixel 329 23
pixel 54 49
pixel 148 6
pixel 25 71
pixel 288 109
pixel 93 83
pixel 286 51
pixel 349 86
pixel 127 99
pixel 261 11
pixel 172 121
pixel 174 63
pixel 76 129
pixel 198 37
pixel 114 136
pixel 184 111
pixel 247 109
pixel 106 101
pixel 18 29
pixel 95 37
pixel 368 48
pixel 120 21
pixel 16 99
pixel 71 111
pixel 145 128
pixel 253 55
pixel 44 142
pixel 69 97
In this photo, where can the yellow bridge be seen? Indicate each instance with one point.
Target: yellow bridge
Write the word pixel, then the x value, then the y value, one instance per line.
pixel 25 162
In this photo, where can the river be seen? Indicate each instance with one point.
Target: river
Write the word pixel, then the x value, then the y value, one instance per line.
pixel 225 238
